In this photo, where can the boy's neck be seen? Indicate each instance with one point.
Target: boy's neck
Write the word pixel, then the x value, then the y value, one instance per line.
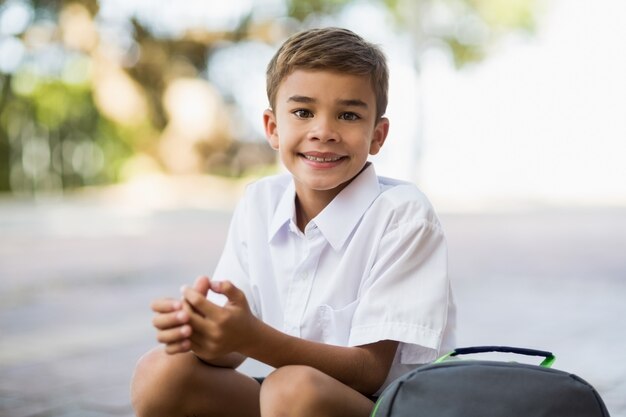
pixel 302 218
pixel 307 207
pixel 310 203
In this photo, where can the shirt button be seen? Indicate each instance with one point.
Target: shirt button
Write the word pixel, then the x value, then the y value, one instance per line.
pixel 303 275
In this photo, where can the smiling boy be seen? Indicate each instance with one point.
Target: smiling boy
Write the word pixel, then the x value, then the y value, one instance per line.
pixel 332 275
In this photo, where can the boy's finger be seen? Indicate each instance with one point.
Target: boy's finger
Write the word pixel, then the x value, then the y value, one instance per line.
pixel 228 289
pixel 199 301
pixel 202 285
pixel 174 335
pixel 179 347
pixel 168 320
pixel 165 305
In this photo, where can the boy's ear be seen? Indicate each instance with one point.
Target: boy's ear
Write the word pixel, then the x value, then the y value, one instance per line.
pixel 271 132
pixel 380 134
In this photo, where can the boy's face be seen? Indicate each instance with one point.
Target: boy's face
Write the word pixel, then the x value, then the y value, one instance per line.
pixel 324 127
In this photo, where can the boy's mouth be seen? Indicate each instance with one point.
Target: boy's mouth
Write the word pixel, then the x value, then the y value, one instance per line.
pixel 318 157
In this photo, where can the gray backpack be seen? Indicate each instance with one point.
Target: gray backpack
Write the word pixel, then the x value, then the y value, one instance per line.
pixel 487 388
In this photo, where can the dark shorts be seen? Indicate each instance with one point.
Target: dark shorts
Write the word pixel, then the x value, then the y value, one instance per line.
pixel 260 380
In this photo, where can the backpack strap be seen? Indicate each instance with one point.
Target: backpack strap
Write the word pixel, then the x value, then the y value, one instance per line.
pixel 546 363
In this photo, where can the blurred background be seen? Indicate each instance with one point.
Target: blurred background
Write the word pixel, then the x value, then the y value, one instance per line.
pixel 128 130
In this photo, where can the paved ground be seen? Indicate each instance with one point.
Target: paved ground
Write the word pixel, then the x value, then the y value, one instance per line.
pixel 76 278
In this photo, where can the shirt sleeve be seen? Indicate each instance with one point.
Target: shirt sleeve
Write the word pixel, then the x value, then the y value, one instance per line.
pixel 233 263
pixel 406 297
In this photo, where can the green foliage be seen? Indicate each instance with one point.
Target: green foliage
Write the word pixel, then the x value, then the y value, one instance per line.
pixel 301 9
pixel 118 143
pixel 54 120
pixel 506 15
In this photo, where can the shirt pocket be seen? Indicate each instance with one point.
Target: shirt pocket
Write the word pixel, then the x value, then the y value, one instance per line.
pixel 333 325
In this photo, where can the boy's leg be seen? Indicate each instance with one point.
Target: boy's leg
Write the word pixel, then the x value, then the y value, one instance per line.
pixel 306 392
pixel 180 385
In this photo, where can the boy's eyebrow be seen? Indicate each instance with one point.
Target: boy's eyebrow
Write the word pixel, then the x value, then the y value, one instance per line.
pixel 344 102
pixel 301 99
pixel 353 103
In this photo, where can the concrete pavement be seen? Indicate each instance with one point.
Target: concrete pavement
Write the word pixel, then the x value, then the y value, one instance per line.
pixel 77 276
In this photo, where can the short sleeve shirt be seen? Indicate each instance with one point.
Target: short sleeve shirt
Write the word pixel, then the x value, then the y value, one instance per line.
pixel 371 266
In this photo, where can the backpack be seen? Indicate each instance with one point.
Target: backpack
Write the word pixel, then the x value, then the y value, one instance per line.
pixel 487 388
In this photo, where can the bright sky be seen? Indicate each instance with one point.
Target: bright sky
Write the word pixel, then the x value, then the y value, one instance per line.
pixel 542 121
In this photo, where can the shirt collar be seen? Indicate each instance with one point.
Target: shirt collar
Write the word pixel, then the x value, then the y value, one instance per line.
pixel 285 210
pixel 332 221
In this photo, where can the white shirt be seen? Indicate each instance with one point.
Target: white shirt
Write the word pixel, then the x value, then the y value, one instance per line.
pixel 371 266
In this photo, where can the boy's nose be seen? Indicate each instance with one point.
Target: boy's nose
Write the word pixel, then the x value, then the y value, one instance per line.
pixel 324 131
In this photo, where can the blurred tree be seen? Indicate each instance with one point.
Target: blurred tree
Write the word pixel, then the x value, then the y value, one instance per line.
pixel 469 28
pixel 80 97
pixel 301 9
pixel 52 134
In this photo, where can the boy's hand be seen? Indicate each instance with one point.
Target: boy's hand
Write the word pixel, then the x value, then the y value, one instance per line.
pixel 172 324
pixel 219 330
pixel 172 320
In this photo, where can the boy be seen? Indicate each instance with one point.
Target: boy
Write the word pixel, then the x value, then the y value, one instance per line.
pixel 333 276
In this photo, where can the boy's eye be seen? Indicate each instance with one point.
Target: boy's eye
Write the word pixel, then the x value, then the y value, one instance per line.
pixel 349 116
pixel 302 113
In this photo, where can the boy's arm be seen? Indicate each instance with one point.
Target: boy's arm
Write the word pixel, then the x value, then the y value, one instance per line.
pixel 364 368
pixel 233 328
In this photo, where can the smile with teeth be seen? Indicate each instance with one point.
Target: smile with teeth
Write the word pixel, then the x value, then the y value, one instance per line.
pixel 322 159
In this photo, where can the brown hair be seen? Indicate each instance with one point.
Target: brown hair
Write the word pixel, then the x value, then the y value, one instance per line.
pixel 332 49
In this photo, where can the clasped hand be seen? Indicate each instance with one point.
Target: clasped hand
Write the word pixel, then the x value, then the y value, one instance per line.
pixel 196 324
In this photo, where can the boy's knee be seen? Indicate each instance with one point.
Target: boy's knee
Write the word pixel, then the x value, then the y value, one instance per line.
pixel 291 390
pixel 155 377
pixel 144 380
